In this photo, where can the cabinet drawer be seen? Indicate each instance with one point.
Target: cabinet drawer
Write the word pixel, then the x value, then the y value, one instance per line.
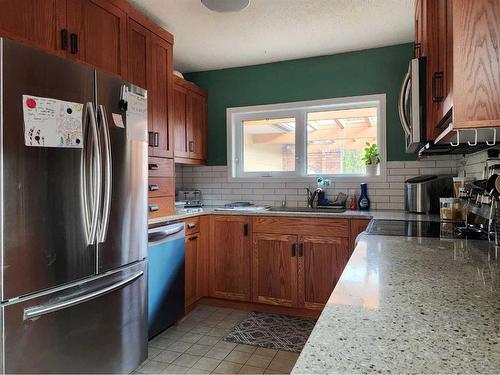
pixel 299 225
pixel 161 186
pixel 192 225
pixel 161 206
pixel 158 167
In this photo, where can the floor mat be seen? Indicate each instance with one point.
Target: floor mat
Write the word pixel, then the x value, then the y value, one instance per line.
pixel 272 331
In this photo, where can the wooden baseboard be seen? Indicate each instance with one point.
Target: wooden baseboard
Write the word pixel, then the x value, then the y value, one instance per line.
pixel 292 311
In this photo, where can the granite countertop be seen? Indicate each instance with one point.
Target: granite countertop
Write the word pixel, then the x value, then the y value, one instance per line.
pixel 378 214
pixel 410 305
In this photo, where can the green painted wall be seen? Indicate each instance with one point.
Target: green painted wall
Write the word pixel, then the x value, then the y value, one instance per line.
pixel 372 71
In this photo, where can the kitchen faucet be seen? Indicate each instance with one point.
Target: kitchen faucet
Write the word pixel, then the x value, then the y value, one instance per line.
pixel 311 195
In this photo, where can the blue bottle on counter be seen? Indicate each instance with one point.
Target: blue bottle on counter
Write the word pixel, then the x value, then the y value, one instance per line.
pixel 363 202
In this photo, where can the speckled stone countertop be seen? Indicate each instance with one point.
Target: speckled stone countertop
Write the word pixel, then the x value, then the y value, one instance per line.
pixel 378 214
pixel 410 305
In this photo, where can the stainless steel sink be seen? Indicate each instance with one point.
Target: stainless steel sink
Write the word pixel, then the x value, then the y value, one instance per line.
pixel 307 209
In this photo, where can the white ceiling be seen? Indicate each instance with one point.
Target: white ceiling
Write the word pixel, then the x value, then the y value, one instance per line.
pixel 276 30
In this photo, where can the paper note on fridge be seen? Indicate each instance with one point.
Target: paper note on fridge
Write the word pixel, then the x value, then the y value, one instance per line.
pixel 52 123
pixel 137 117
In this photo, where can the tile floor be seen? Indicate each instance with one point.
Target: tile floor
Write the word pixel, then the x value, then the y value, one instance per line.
pixel 195 346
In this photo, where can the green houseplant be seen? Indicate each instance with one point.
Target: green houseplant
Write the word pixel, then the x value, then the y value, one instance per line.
pixel 371 158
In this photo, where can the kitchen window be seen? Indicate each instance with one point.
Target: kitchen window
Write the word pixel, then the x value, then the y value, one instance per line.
pixel 306 139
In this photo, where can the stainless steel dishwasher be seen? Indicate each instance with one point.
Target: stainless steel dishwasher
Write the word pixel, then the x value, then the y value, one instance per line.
pixel 166 254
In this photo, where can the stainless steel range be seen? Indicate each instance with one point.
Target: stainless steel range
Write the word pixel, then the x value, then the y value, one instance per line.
pixel 413 228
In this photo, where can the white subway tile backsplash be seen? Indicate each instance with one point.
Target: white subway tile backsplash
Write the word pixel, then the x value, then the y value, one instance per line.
pixel 217 189
pixel 403 171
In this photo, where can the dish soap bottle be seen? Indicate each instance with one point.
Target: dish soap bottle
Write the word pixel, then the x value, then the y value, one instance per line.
pixel 363 202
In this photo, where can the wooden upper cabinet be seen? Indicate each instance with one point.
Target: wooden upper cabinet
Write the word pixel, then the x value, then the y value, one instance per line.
pixel 197 126
pixel 476 63
pixel 36 22
pixel 190 122
pixel 160 96
pixel 320 263
pixel 230 257
pixel 98 34
pixel 139 54
pixel 274 269
pixel 180 122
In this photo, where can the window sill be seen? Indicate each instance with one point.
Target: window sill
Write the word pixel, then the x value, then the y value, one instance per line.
pixel 310 179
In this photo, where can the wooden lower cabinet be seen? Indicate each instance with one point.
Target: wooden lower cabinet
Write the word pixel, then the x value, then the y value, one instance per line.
pixel 321 261
pixel 274 269
pixel 191 269
pixel 288 262
pixel 356 227
pixel 230 257
pixel 196 261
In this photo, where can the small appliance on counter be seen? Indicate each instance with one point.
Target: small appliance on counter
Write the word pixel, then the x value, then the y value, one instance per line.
pixel 190 198
pixel 422 193
pixel 188 201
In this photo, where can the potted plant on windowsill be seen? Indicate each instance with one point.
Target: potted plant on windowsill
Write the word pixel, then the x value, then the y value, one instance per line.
pixel 371 157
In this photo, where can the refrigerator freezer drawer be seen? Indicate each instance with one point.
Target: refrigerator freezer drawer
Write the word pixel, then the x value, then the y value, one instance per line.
pixel 99 325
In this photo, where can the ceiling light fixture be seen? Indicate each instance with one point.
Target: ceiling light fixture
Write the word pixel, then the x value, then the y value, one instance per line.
pixel 226 5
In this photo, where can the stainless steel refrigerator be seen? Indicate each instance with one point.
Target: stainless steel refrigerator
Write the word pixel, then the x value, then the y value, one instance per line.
pixel 73 222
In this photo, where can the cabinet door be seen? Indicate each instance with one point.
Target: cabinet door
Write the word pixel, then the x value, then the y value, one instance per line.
pixel 274 269
pixel 100 29
pixel 197 125
pixel 180 122
pixel 36 22
pixel 356 227
pixel 139 54
pixel 191 270
pixel 230 257
pixel 476 63
pixel 160 101
pixel 321 262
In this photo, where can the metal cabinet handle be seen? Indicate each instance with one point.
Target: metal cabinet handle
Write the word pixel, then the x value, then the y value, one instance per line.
pixel 154 187
pixel 153 207
pixel 73 38
pixel 301 249
pixel 153 167
pixel 156 139
pixel 64 39
pixel 245 229
pixel 35 312
pixel 193 238
pixel 294 249
pixel 191 146
pixel 437 87
pixel 191 226
pixel 151 142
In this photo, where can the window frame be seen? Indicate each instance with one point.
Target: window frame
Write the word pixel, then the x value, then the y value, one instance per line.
pixel 234 123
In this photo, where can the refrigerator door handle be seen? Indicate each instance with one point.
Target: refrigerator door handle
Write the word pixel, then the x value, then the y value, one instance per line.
pixel 37 311
pixel 107 175
pixel 91 211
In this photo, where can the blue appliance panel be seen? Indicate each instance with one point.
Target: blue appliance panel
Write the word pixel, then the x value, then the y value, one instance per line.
pixel 165 277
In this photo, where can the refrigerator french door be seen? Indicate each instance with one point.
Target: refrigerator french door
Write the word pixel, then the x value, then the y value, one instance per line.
pixel 73 223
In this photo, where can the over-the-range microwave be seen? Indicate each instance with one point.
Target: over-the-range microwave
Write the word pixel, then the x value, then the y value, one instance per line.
pixel 412 108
